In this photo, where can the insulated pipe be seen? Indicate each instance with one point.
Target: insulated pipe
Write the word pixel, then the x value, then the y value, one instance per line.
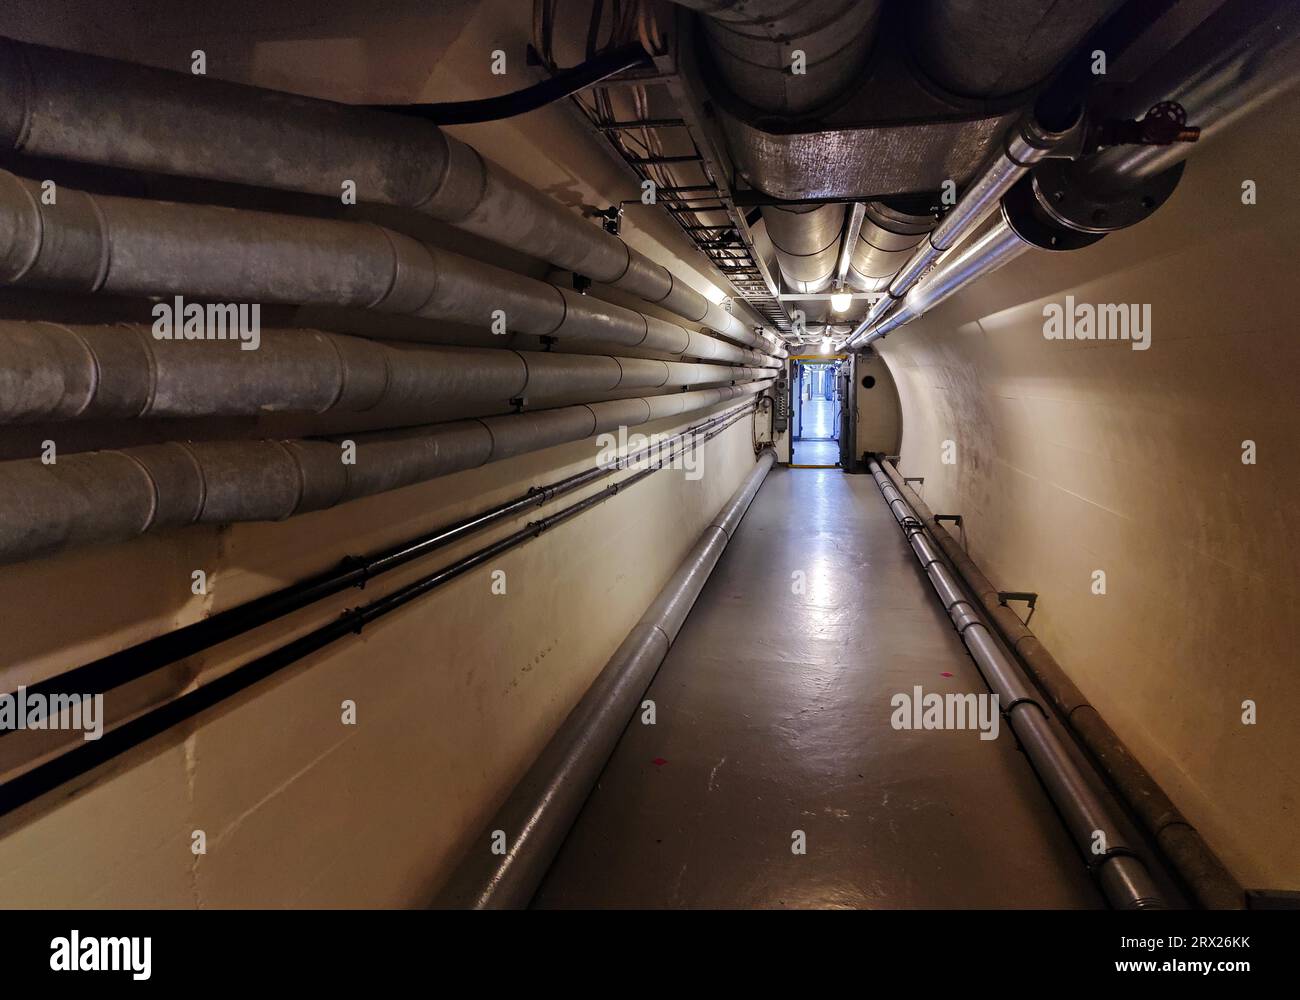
pixel 1210 881
pixel 1025 144
pixel 807 243
pixel 86 755
pixel 541 809
pixel 753 43
pixel 131 246
pixel 1124 878
pixel 54 372
pixel 1224 69
pixel 116 495
pixel 1238 60
pixel 126 665
pixel 92 110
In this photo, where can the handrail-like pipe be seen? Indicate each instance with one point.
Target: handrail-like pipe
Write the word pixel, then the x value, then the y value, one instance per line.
pixel 48 775
pixel 1089 818
pixel 134 662
pixel 1211 883
pixel 541 809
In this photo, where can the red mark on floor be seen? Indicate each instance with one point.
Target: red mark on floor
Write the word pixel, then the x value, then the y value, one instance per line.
pixel 659 762
pixel 945 674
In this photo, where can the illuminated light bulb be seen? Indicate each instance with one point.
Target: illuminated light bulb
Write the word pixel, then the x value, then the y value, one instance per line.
pixel 826 345
pixel 841 301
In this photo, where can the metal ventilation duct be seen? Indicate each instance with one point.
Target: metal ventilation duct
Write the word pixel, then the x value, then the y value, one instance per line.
pixel 806 239
pixel 978 49
pixel 886 239
pixel 754 44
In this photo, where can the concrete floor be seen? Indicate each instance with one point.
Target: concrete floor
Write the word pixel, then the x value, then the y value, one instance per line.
pixel 773 715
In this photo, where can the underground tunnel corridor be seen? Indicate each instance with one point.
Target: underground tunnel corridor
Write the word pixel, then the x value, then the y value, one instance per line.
pixel 668 455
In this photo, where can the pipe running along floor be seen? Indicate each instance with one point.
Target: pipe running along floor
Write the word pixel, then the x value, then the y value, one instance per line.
pixel 773 715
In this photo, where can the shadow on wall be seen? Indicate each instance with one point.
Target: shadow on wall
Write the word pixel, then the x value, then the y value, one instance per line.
pixel 1137 490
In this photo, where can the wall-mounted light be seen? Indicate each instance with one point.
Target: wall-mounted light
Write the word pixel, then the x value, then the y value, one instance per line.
pixel 840 301
pixel 826 345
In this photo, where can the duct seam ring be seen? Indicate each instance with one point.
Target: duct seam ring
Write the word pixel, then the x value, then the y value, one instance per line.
pixel 27 97
pixel 155 498
pixel 96 373
pixel 392 279
pixel 300 475
pixel 105 243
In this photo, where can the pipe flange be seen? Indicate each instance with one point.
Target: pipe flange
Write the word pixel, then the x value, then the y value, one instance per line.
pixel 1066 200
pixel 1027 219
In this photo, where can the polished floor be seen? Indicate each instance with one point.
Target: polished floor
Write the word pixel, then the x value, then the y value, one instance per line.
pixel 818 427
pixel 773 726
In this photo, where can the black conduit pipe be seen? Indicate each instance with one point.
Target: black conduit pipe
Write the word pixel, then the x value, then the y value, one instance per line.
pixel 45 777
pixel 136 661
pixel 565 83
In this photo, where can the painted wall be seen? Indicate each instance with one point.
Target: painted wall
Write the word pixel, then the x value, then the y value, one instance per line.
pixel 880 418
pixel 456 693
pixel 1074 457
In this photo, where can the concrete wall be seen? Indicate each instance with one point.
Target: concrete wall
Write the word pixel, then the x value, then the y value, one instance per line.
pixel 1076 456
pixel 456 693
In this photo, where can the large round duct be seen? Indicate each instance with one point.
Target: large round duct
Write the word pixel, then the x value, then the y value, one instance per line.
pixel 985 50
pixel 887 238
pixel 788 58
pixel 806 239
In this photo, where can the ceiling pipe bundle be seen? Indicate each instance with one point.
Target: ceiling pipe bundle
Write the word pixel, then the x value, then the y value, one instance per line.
pixel 752 44
pixel 1090 820
pixel 70 106
pixel 541 809
pixel 1025 144
pixel 1234 63
pixel 133 246
pixel 53 372
pixel 885 240
pixel 116 495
